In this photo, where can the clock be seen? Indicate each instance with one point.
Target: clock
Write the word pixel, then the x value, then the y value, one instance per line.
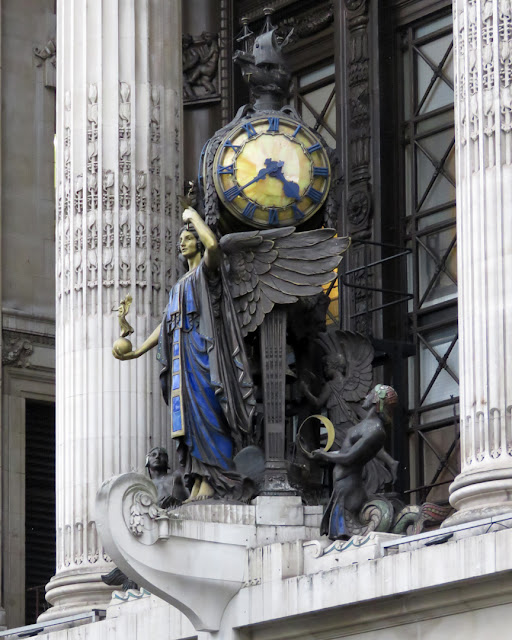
pixel 272 172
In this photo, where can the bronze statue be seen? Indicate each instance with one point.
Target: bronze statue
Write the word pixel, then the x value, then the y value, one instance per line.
pixel 361 444
pixel 170 488
pixel 225 293
pixel 347 374
pixel 205 378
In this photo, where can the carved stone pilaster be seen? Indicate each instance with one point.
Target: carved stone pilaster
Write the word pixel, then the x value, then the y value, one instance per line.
pixel 273 367
pixel 225 63
pixel 358 185
pixel 483 85
pixel 112 114
pixel 359 196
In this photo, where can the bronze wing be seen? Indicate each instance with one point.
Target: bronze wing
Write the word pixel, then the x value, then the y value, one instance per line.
pixel 278 266
pixel 358 353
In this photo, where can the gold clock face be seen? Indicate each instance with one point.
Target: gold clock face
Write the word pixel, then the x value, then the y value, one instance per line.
pixel 272 172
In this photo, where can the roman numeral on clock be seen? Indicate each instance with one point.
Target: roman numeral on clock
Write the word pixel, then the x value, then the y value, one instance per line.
pixel 314 147
pixel 315 195
pixel 299 127
pixel 273 218
pixel 249 210
pixel 297 213
pixel 250 130
pixel 320 171
pixel 230 145
pixel 229 169
pixel 232 193
pixel 273 124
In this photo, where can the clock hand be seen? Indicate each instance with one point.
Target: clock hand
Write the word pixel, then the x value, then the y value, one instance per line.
pixel 290 189
pixel 271 165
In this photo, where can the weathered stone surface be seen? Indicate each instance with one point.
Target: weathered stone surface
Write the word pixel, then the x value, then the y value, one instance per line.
pixel 118 171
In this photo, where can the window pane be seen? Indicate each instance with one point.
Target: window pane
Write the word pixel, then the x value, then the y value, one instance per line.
pixel 317 100
pixel 435 121
pixel 439 95
pixel 440 284
pixel 440 442
pixel 444 384
pixel 436 50
pixel 433 26
pixel 436 218
pixel 317 74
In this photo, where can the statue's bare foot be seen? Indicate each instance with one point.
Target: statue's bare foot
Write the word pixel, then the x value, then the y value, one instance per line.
pixel 205 491
pixel 194 492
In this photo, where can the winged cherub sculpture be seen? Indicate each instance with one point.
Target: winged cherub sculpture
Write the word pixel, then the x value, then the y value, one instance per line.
pixel 227 290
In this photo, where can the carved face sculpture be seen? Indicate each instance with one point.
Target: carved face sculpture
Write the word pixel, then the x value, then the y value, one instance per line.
pixel 189 245
pixel 272 172
pixel 157 460
pixel 334 365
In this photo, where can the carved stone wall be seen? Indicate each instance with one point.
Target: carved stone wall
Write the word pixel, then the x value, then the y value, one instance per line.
pixel 118 177
pixel 483 109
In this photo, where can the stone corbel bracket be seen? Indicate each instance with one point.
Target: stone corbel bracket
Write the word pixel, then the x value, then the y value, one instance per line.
pixel 197 576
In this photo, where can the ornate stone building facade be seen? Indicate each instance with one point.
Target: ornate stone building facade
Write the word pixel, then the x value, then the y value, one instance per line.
pixel 415 96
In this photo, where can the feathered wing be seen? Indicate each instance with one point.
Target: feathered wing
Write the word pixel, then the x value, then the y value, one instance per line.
pixel 278 266
pixel 358 353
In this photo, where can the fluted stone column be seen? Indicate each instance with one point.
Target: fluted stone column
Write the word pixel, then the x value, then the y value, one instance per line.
pixel 118 171
pixel 483 109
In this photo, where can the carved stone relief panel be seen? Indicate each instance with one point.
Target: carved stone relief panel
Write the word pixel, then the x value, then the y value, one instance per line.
pixel 359 196
pixel 46 58
pixel 16 349
pixel 200 67
pixel 309 23
pixel 125 183
pixel 484 41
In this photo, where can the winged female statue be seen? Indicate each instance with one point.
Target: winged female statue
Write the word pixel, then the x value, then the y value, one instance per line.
pixel 225 293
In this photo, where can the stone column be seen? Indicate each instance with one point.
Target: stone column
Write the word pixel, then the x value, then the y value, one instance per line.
pixel 483 110
pixel 118 171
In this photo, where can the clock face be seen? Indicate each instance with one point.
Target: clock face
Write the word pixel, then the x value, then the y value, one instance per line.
pixel 272 172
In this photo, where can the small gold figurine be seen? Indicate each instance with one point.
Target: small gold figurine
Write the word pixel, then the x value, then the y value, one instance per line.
pixel 190 197
pixel 123 345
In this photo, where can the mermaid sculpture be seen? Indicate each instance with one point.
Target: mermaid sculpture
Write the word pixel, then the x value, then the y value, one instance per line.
pixel 362 443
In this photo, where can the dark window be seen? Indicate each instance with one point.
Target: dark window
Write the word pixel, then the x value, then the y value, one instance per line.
pixel 39 505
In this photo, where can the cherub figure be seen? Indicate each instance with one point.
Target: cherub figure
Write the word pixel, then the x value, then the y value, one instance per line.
pixel 347 370
pixel 362 442
pixel 206 70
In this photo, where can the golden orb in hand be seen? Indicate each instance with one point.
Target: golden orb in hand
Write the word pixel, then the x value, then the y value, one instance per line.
pixel 122 346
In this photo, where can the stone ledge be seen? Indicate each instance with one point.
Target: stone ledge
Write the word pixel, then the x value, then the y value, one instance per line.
pixel 463 576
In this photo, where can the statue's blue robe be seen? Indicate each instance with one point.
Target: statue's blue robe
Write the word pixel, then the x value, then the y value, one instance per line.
pixel 205 378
